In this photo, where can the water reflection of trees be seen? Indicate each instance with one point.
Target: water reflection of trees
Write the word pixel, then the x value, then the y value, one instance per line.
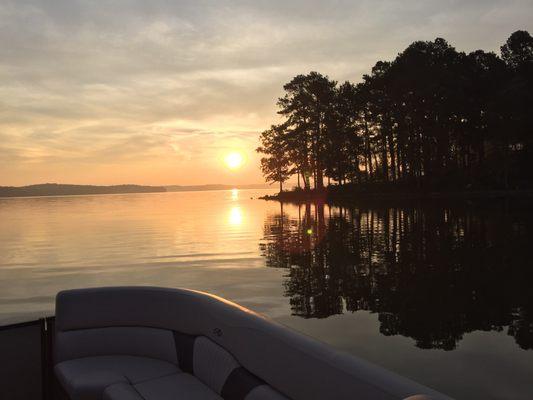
pixel 431 274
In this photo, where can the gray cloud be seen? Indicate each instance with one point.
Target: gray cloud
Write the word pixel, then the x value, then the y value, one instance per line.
pixel 117 81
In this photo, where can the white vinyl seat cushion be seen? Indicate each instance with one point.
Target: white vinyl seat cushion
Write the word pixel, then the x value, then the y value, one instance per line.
pixel 86 378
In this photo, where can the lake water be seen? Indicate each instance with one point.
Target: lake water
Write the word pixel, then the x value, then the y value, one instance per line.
pixel 441 294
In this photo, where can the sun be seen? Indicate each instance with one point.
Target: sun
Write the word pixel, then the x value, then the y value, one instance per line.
pixel 234 160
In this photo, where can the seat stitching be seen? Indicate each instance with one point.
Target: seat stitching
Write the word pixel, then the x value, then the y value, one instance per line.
pixel 158 377
pixel 139 393
pixel 116 383
pixel 130 384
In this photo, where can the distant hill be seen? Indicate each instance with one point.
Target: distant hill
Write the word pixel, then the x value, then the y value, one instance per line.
pixel 56 189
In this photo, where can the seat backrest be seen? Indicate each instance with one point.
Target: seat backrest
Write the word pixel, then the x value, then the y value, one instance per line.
pixel 219 370
pixel 121 340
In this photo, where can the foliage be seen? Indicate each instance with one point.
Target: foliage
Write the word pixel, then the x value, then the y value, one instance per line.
pixel 432 119
pixel 276 165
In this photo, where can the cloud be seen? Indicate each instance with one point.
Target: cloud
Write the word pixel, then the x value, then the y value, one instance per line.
pixel 122 84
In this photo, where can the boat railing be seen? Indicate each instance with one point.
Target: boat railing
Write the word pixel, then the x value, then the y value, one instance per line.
pixel 26 360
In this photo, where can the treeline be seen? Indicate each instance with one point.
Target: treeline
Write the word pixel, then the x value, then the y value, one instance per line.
pixel 432 119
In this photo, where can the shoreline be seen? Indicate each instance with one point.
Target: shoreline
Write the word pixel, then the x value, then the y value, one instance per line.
pixel 301 196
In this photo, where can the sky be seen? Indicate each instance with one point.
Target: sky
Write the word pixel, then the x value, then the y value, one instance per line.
pixel 159 92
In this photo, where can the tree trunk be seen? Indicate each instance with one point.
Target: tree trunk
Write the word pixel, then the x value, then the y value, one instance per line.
pixel 368 155
pixel 392 154
pixel 319 184
pixel 384 156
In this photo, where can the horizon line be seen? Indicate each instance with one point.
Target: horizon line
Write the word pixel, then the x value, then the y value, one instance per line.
pixel 139 184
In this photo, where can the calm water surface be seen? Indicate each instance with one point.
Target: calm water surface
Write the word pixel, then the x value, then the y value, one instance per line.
pixel 441 294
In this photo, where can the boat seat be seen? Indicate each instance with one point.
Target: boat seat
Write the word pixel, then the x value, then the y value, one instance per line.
pixel 197 368
pixel 86 378
pixel 160 344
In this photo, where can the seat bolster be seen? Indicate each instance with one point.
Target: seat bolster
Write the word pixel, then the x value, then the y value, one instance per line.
pixel 87 386
pixel 121 391
pixel 264 392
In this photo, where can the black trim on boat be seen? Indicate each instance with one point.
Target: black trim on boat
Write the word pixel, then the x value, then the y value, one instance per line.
pixel 47 365
pixel 240 382
pixel 185 350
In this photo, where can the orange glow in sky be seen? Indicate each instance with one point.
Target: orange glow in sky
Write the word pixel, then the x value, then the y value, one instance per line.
pixel 177 93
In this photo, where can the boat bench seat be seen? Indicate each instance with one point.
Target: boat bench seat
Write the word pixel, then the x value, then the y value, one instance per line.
pixel 164 365
pixel 145 343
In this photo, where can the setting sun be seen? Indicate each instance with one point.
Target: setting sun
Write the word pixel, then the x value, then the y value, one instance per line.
pixel 234 160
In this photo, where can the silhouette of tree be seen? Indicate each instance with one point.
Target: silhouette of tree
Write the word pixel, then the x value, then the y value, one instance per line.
pixel 517 100
pixel 517 52
pixel 431 119
pixel 343 145
pixel 276 165
pixel 308 104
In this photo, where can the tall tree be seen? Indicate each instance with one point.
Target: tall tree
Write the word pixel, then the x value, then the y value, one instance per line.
pixel 276 163
pixel 307 105
pixel 517 53
pixel 432 119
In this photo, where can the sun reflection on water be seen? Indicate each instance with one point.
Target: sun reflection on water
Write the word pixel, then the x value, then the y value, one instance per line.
pixel 235 216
